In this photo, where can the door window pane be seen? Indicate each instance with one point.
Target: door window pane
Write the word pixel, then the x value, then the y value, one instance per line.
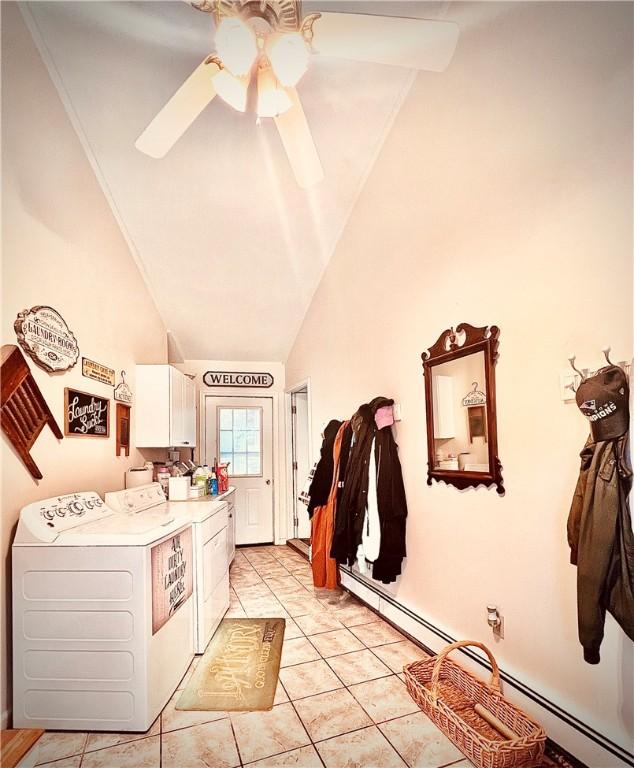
pixel 239 464
pixel 253 441
pixel 226 420
pixel 240 440
pixel 226 441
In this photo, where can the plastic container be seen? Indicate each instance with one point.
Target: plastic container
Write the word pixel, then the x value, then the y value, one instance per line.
pixel 179 488
pixel 199 477
pixel 163 477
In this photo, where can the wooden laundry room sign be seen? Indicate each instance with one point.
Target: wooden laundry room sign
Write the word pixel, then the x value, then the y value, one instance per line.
pixel 172 577
pixel 237 379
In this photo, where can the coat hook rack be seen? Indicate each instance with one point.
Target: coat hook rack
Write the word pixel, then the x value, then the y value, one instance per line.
pixel 585 373
pixel 571 360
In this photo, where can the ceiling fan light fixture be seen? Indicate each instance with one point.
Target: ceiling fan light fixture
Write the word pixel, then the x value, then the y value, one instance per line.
pixel 288 54
pixel 232 89
pixel 272 99
pixel 236 45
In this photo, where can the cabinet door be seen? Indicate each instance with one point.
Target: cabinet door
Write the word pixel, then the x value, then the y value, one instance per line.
pixel 151 407
pixel 176 407
pixel 189 412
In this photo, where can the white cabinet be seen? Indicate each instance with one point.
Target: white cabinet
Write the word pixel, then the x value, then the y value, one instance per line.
pixel 444 426
pixel 165 407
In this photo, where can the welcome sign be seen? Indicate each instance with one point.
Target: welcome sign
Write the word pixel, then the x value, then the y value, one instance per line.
pixel 237 379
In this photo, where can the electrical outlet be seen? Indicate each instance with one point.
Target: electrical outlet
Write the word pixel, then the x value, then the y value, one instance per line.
pixel 495 621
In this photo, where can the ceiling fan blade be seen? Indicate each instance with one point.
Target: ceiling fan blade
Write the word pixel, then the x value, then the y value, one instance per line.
pixel 298 143
pixel 412 43
pixel 179 112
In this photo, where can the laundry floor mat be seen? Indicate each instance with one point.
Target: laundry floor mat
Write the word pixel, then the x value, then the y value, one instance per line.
pixel 239 669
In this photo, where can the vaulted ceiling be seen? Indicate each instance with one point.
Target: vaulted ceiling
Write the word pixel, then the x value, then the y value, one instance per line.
pixel 231 248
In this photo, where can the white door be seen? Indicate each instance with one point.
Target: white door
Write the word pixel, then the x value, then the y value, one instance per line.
pixel 301 461
pixel 239 430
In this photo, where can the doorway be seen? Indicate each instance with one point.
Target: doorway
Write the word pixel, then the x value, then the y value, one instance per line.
pixel 239 431
pixel 300 459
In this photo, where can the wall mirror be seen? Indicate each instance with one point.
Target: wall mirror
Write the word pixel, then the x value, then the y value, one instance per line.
pixel 460 399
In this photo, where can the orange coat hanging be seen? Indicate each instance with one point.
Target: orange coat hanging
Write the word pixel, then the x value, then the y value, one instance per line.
pixel 325 569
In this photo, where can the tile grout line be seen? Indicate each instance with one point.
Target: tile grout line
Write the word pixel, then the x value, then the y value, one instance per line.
pixel 235 741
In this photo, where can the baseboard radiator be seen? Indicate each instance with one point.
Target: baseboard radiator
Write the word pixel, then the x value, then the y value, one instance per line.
pixel 576 737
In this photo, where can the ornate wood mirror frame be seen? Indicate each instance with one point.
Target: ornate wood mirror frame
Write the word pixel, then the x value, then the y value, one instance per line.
pixel 453 345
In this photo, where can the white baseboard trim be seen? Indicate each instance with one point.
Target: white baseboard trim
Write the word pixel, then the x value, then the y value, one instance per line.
pixel 578 738
pixel 4 719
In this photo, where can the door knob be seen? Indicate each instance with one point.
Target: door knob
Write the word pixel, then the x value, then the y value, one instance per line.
pixel 268 482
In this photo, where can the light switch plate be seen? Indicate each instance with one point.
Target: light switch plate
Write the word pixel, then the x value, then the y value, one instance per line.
pixel 396 411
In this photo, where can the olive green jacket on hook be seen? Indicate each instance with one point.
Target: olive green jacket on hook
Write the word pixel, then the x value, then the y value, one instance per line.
pixel 602 543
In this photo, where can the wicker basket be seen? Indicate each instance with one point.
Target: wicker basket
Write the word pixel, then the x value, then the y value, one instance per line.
pixel 447 694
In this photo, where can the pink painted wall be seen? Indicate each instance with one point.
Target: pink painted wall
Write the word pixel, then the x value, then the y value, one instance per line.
pixel 503 195
pixel 61 246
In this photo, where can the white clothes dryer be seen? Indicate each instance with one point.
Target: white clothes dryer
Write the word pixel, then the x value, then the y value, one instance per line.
pixel 209 519
pixel 102 613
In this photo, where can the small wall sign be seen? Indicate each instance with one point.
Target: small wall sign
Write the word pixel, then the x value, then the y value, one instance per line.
pixel 92 370
pixel 122 391
pixel 43 334
pixel 85 415
pixel 237 379
pixel 172 577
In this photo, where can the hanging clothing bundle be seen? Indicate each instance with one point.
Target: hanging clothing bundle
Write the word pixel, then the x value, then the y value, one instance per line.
pixel 371 511
pixel 599 524
pixel 357 498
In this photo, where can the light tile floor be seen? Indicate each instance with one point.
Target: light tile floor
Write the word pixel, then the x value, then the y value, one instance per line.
pixel 340 701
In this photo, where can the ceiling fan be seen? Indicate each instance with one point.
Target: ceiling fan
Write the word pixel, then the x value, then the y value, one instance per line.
pixel 263 48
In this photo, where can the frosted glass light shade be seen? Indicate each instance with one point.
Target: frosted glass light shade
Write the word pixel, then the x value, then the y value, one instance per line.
pixel 232 89
pixel 288 55
pixel 272 100
pixel 236 45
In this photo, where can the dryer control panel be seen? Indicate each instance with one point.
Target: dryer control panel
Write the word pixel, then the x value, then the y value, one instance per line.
pixel 133 500
pixel 45 520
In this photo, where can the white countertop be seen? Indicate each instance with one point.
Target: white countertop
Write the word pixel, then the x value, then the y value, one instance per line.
pixel 209 497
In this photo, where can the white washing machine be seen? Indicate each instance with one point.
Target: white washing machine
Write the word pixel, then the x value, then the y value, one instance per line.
pixel 102 614
pixel 212 542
